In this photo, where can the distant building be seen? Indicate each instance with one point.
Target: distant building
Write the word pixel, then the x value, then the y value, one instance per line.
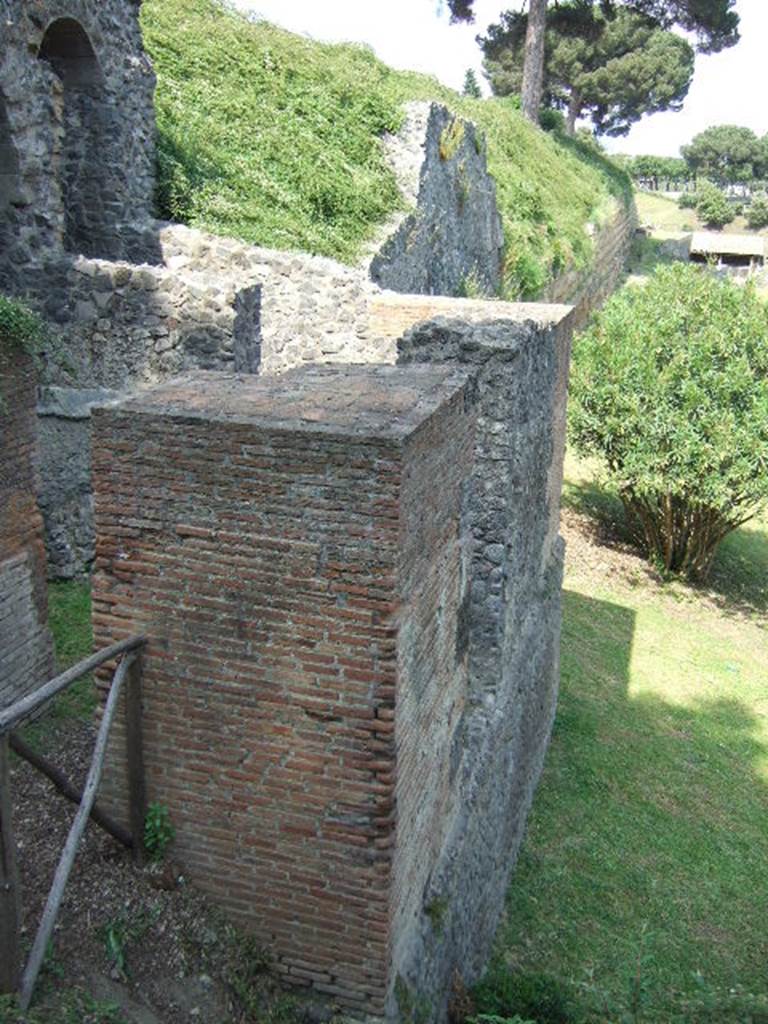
pixel 747 251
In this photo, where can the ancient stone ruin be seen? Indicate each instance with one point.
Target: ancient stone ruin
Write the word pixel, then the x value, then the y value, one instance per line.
pixel 332 508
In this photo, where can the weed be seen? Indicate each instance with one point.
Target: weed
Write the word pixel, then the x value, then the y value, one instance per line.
pixel 451 137
pixel 436 911
pixel 123 931
pixel 75 1007
pixel 158 831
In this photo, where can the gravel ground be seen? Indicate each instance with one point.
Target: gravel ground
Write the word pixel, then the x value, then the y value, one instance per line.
pixel 173 958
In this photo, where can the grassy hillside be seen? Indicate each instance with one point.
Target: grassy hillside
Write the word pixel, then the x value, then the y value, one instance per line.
pixel 273 138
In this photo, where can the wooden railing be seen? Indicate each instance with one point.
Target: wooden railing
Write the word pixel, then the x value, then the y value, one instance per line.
pixel 129 651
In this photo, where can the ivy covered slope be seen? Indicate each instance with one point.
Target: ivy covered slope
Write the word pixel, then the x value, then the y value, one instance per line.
pixel 274 138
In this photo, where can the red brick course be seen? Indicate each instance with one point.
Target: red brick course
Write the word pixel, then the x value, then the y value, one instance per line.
pixel 26 657
pixel 295 552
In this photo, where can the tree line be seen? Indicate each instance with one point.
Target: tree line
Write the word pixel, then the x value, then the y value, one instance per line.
pixel 728 155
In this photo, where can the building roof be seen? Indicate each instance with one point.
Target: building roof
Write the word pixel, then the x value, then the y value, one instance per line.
pixel 716 243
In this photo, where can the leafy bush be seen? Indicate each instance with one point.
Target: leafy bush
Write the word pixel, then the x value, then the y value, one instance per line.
pixel 687 200
pixel 506 994
pixel 757 213
pixel 551 120
pixel 713 207
pixel 670 389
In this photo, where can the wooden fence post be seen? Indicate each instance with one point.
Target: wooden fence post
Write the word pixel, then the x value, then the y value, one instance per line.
pixel 10 892
pixel 134 741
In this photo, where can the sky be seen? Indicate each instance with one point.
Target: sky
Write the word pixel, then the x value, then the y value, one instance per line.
pixel 727 88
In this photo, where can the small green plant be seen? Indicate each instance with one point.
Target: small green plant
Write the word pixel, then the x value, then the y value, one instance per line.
pixel 436 911
pixel 121 932
pixel 451 138
pixel 75 1006
pixel 489 1018
pixel 687 200
pixel 158 831
pixel 20 327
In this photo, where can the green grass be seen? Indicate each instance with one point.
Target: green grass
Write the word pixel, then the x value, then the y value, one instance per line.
pixel 275 139
pixel 69 616
pixel 642 882
pixel 665 215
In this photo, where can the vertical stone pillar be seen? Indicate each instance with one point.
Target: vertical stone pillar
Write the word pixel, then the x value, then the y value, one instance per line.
pixel 295 549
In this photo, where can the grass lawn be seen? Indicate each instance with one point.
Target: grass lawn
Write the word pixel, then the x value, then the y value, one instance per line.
pixel 642 882
pixel 665 215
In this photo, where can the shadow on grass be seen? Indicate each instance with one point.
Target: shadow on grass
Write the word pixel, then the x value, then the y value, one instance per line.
pixel 740 572
pixel 608 522
pixel 641 884
pixel 738 581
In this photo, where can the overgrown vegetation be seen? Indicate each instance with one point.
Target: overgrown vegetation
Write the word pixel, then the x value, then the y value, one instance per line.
pixel 275 139
pixel 670 389
pixel 20 327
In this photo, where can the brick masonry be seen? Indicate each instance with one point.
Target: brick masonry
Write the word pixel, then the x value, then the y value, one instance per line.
pixel 26 651
pixel 304 586
pixel 434 562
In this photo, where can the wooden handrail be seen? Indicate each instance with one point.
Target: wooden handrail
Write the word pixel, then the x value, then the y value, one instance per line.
pixel 70 847
pixel 11 716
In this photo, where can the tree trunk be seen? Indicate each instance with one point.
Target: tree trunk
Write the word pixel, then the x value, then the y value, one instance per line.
pixel 574 109
pixel 533 68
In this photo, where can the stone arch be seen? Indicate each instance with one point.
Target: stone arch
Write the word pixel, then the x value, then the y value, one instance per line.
pixel 9 165
pixel 84 139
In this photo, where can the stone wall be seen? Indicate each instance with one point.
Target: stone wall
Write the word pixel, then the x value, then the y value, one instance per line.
pixel 588 288
pixel 26 651
pixel 303 585
pixel 76 133
pixel 471 602
pixel 451 236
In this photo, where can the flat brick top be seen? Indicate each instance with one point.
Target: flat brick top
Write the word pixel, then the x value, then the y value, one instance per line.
pixel 361 401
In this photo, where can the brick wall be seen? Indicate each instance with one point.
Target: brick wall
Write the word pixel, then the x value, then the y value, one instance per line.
pixel 302 582
pixel 26 654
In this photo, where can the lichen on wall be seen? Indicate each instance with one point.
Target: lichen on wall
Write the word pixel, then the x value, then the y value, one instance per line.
pixel 450 241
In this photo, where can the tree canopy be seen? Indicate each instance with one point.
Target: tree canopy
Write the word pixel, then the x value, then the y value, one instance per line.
pixel 715 24
pixel 611 69
pixel 728 154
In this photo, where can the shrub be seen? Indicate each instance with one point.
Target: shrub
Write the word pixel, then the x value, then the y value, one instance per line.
pixel 687 200
pixel 713 207
pixel 551 120
pixel 757 214
pixel 670 389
